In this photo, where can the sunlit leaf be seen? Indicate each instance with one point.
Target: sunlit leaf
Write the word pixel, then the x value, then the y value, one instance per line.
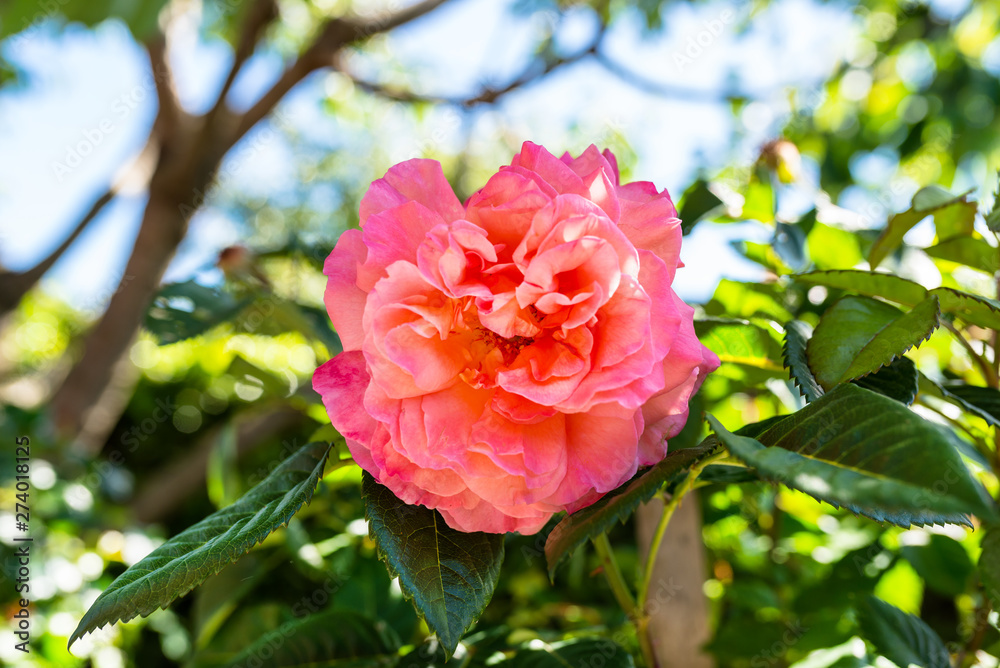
pixel 833 248
pixel 759 203
pixel 973 309
pixel 868 453
pixel 967 251
pixel 859 335
pixel 740 342
pixel 868 283
pixel 187 559
pixel 927 201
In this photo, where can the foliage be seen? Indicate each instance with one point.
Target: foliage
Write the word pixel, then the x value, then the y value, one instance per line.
pixel 853 422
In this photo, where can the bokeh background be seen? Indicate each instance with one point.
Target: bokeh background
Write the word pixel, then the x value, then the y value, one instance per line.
pixel 161 251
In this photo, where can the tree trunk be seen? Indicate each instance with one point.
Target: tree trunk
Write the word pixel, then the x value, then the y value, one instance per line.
pixel 162 229
pixel 677 609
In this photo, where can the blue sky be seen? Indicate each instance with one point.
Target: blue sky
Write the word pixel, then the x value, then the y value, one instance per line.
pixel 93 87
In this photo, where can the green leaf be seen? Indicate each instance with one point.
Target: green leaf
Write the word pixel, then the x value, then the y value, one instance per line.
pixel 927 201
pixel 989 565
pixel 868 283
pixel 833 248
pixel 899 380
pixel 981 401
pixel 901 637
pixel 576 529
pixel 859 335
pixel 870 454
pixel 140 17
pixel 967 251
pixel 796 336
pixel 943 563
pixel 740 342
pixel 972 309
pixel 697 203
pixel 450 575
pixel 570 653
pixel 327 638
pixel 733 299
pixel 759 203
pixel 187 559
pixel 185 310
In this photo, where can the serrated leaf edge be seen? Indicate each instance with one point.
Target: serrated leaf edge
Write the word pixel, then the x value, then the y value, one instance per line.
pixel 77 634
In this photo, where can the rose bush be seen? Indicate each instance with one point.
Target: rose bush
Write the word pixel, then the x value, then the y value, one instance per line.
pixel 516 356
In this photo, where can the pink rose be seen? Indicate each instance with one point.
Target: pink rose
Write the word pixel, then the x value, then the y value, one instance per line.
pixel 516 356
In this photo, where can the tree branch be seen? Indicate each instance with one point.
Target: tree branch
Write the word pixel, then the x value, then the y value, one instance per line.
pixel 640 82
pixel 487 95
pixel 335 35
pixel 259 17
pixel 14 285
pixel 170 112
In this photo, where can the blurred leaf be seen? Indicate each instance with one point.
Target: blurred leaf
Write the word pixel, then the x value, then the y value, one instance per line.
pixel 868 453
pixel 926 201
pixel 763 254
pixel 833 248
pixel 740 342
pixel 575 652
pixel 859 335
pixel 943 563
pixel 868 283
pixel 140 17
pixel 789 243
pixel 576 529
pixel 901 637
pixel 759 203
pixel 187 559
pixel 989 565
pixel 967 251
pixel 898 380
pixel 327 638
pixel 733 299
pixel 220 595
pixel 223 475
pixel 796 337
pixel 450 575
pixel 697 202
pixel 184 310
pixel 253 376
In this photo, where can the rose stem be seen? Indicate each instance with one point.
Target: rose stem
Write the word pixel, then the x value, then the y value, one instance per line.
pixel 613 574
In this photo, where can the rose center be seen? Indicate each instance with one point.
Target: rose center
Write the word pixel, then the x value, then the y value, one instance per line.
pixel 509 347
